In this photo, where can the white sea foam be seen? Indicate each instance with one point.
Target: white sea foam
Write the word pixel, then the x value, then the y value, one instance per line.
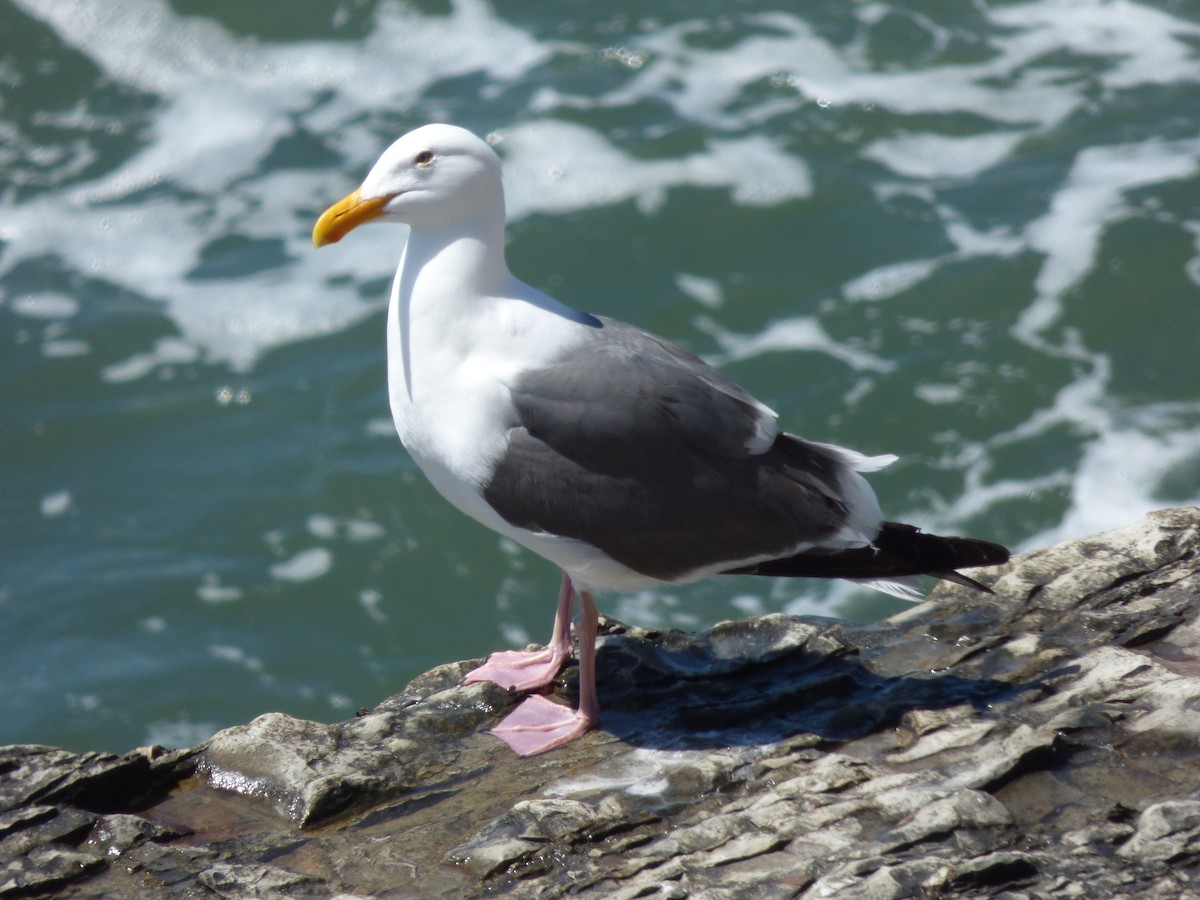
pixel 705 84
pixel 370 600
pixel 321 526
pixel 178 733
pixel 326 527
pixel 940 393
pixel 237 656
pixel 45 306
pixel 798 333
pixel 557 167
pixel 889 280
pixel 1121 475
pixel 58 349
pixel 254 90
pixel 1144 45
pixel 943 156
pixel 652 609
pixel 213 591
pixel 167 351
pixel 306 565
pixel 1092 199
pixel 57 503
pixel 704 291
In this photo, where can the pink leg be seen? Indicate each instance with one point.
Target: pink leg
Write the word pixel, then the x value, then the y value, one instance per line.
pixel 538 724
pixel 521 670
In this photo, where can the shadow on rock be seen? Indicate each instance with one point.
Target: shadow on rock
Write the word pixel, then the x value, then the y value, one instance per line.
pixel 688 691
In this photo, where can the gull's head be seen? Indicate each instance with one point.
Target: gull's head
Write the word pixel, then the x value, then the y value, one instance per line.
pixel 433 177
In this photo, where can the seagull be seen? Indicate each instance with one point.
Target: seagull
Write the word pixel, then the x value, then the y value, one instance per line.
pixel 617 455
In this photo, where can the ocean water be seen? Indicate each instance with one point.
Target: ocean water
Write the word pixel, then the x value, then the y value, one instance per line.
pixel 965 234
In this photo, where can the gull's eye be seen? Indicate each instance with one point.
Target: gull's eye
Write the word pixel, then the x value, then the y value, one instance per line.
pixel 424 158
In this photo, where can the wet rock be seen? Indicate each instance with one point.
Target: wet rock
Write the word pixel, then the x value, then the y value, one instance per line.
pixel 43 870
pixel 245 881
pixel 1038 742
pixel 119 833
pixel 1166 831
pixel 32 774
pixel 53 832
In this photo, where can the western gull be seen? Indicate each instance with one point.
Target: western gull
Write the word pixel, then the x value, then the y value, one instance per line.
pixel 617 455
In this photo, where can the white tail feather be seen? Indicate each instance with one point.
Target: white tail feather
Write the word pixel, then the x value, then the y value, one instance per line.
pixel 906 587
pixel 857 461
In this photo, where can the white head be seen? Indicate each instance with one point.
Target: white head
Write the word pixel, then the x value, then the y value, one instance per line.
pixel 431 178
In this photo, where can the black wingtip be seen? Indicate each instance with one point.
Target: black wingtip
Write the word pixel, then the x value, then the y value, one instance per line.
pixel 899 550
pixel 959 578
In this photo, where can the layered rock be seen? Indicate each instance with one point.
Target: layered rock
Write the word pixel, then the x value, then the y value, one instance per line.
pixel 1041 741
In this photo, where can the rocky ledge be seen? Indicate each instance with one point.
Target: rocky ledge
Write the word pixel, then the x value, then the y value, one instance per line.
pixel 1039 742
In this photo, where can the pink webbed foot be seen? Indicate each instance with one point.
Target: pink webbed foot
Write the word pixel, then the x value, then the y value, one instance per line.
pixel 525 670
pixel 520 670
pixel 538 725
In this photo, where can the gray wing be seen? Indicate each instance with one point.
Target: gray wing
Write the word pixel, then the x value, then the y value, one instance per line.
pixel 625 387
pixel 639 448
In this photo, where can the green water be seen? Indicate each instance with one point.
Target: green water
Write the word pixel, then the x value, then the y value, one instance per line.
pixel 970 238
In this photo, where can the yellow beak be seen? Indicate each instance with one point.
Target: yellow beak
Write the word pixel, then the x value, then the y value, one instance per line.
pixel 346 215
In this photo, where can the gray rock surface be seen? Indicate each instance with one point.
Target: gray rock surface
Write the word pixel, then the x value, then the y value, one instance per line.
pixel 1038 743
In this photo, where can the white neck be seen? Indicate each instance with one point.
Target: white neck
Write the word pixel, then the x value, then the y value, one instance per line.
pixel 455 263
pixel 443 273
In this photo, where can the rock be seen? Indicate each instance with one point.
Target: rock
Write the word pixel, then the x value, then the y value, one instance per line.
pixel 1165 831
pixel 44 869
pixel 94 781
pixel 242 882
pixel 1038 742
pixel 53 831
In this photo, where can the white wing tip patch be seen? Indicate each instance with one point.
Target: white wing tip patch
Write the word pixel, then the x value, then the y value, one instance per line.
pixel 766 429
pixel 860 462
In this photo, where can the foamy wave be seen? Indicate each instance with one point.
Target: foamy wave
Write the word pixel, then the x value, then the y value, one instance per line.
pixel 1124 473
pixel 557 167
pixel 1090 201
pixel 798 333
pixel 304 566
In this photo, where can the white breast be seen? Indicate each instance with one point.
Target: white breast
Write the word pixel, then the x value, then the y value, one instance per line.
pixel 448 384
